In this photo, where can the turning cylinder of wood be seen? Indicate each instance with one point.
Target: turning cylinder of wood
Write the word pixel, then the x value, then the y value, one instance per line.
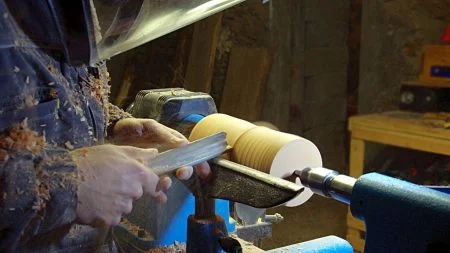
pixel 276 153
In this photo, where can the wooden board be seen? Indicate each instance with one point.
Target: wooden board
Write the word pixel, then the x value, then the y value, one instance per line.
pixel 355 223
pixel 296 124
pixel 357 149
pixel 354 237
pixel 276 107
pixel 402 122
pixel 200 67
pixel 245 83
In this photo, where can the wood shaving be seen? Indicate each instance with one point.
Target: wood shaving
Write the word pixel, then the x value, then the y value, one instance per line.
pixel 115 113
pixel 20 137
pixel 135 229
pixel 52 68
pixel 42 190
pixel 100 87
pixel 4 156
pixel 53 93
pixel 19 191
pixel 84 152
pixel 437 120
pixel 174 248
pixel 30 101
pixel 68 145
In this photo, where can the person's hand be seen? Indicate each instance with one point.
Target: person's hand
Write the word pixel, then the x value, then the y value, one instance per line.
pixel 111 177
pixel 148 133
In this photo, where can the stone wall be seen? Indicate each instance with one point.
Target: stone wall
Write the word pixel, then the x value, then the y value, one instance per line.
pixel 393 33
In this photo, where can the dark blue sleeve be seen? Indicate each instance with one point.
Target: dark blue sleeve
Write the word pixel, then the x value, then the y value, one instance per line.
pixel 38 178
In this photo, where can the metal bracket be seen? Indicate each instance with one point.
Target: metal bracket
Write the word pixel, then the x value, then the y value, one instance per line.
pixel 241 184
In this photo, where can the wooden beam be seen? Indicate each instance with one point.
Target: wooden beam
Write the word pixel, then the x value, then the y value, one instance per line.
pixel 296 123
pixel 200 67
pixel 127 82
pixel 276 107
pixel 182 56
pixel 247 75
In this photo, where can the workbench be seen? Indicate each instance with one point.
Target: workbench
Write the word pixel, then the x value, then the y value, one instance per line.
pixel 416 131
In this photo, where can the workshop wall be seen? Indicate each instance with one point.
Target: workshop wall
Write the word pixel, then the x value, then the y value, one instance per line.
pixel 300 87
pixel 306 87
pixel 393 33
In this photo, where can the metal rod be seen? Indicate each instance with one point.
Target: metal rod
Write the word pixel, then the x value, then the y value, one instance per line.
pixel 204 207
pixel 328 183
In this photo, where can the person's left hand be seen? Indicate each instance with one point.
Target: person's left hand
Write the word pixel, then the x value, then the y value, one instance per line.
pixel 147 133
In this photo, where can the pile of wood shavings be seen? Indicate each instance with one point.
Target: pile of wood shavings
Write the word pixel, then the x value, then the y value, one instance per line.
pixel 20 137
pixel 142 233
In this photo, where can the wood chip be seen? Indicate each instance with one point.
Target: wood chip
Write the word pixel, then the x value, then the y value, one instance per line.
pixel 4 156
pixel 68 145
pixel 53 93
pixel 30 101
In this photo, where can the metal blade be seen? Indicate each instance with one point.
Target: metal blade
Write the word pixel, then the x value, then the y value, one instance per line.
pixel 192 154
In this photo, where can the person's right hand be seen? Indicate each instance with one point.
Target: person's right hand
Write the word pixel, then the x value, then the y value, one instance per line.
pixel 111 177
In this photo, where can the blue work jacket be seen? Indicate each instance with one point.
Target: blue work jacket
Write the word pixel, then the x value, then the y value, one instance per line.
pixel 47 108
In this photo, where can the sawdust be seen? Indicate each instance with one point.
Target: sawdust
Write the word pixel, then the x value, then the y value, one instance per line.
pixel 135 229
pixel 437 120
pixel 174 248
pixel 115 113
pixel 20 137
pixel 100 88
pixel 43 196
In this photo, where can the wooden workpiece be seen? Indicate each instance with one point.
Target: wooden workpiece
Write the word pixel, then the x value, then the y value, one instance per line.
pixel 402 129
pixel 276 153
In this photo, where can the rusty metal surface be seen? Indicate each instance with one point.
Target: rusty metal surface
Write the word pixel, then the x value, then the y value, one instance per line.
pixel 238 183
pixel 254 232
